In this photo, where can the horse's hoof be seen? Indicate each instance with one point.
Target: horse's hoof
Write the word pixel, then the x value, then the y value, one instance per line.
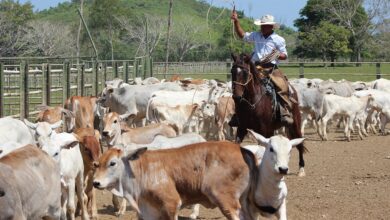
pixel 301 172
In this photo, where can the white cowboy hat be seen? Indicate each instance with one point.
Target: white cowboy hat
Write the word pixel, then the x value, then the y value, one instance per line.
pixel 266 20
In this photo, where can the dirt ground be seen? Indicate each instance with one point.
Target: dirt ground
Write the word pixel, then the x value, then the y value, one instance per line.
pixel 344 180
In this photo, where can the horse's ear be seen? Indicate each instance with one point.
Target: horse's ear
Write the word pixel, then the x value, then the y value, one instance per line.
pixel 234 57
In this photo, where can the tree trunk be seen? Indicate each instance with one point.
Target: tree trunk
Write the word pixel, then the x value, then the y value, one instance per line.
pixel 168 36
pixel 79 33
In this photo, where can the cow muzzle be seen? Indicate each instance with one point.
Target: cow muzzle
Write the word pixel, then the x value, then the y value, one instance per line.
pixel 283 170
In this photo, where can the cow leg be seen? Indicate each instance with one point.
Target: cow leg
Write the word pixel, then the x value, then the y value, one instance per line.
pixel 70 207
pixel 120 207
pixel 347 128
pixel 80 196
pixel 324 122
pixel 227 203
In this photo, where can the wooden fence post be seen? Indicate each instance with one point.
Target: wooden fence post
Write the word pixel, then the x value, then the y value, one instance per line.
pixel 81 76
pixel 104 66
pixel 95 79
pixel 145 67
pixel 65 81
pixel 301 70
pixel 151 66
pixel 378 71
pixel 126 71
pixel 1 90
pixel 46 84
pixel 23 90
pixel 116 72
pixel 228 68
pixel 135 67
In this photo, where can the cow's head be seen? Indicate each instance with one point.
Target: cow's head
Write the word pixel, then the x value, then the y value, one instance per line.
pixel 54 144
pixel 105 96
pixel 277 154
pixel 112 123
pixel 110 167
pixel 42 129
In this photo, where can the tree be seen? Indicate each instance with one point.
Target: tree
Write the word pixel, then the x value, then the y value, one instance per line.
pixel 145 32
pixel 185 38
pixel 13 20
pixel 104 25
pixel 361 22
pixel 325 41
pixel 48 39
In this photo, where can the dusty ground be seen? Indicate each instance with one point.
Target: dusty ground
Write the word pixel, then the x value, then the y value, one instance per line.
pixel 345 180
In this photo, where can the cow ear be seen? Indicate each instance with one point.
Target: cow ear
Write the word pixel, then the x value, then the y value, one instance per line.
pixel 296 141
pixel 110 90
pixel 126 116
pixel 70 145
pixel 134 155
pixel 260 139
pixel 30 125
pixel 68 113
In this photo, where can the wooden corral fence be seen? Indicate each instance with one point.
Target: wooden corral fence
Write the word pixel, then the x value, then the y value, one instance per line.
pixel 28 82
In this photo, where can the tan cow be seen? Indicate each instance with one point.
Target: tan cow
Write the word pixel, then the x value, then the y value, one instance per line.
pixel 141 135
pixel 157 183
pixel 84 108
pixel 224 110
pixel 30 185
pixel 90 151
pixel 53 115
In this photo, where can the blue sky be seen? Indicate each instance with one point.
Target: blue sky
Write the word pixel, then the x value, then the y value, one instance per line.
pixel 284 11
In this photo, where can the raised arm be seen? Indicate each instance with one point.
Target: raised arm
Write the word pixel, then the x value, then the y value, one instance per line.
pixel 237 26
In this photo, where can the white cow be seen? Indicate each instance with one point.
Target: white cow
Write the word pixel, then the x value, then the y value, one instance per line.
pixel 270 188
pixel 350 107
pixel 382 84
pixel 133 99
pixel 13 135
pixel 29 185
pixel 14 130
pixel 65 149
pixel 381 104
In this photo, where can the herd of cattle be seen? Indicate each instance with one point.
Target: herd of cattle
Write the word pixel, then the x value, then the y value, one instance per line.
pixel 157 157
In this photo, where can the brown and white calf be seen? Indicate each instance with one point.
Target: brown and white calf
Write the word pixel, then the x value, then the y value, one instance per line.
pixel 29 185
pixel 157 183
pixel 90 151
pixel 143 135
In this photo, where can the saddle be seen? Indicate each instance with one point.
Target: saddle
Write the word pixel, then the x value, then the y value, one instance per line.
pixel 279 80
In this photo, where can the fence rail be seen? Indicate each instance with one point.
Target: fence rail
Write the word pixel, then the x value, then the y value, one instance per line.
pixel 28 82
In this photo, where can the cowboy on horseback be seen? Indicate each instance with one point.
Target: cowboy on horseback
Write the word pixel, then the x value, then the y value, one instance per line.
pixel 269 48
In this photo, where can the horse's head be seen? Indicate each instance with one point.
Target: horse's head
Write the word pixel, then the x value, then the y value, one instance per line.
pixel 241 75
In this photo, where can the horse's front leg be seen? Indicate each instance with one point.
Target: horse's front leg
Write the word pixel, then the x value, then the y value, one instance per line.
pixel 241 132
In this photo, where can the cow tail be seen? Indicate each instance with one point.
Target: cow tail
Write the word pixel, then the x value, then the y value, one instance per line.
pixel 320 114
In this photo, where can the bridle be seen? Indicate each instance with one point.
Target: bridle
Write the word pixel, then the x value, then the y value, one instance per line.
pixel 250 77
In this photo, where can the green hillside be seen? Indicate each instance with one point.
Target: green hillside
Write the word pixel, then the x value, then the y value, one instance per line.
pixel 211 36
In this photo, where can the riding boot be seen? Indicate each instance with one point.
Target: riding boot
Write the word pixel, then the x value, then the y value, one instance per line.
pixel 285 115
pixel 234 122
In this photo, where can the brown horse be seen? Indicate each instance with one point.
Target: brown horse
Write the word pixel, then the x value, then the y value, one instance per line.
pixel 254 106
